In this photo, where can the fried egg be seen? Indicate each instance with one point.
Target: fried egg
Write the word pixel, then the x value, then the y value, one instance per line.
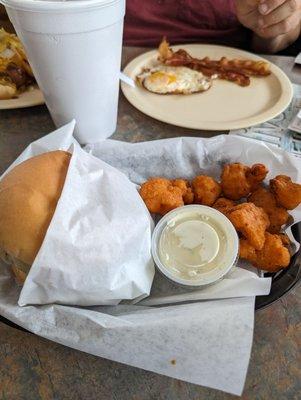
pixel 173 80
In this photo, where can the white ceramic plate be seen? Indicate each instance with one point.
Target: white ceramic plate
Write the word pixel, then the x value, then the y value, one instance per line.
pixel 224 106
pixel 33 97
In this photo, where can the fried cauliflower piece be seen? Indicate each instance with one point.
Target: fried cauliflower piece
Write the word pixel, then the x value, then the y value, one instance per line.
pixel 206 190
pixel 285 239
pixel 265 199
pixel 238 180
pixel 161 195
pixel 251 222
pixel 256 175
pixel 246 250
pixel 272 257
pixel 286 192
pixel 187 192
pixel 224 205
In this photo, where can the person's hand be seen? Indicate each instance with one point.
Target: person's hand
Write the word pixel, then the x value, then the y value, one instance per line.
pixel 269 18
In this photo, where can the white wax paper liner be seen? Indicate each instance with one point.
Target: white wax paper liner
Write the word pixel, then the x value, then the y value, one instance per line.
pixel 207 343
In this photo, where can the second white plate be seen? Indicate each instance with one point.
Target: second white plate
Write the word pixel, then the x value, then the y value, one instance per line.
pixel 224 106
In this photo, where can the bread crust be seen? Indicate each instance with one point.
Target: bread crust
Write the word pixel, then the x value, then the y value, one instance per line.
pixel 28 197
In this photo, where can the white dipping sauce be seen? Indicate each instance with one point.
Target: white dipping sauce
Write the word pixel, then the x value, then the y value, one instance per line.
pixel 195 245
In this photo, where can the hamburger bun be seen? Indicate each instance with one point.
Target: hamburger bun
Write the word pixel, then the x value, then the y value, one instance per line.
pixel 28 197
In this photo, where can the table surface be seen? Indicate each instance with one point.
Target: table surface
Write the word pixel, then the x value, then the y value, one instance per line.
pixel 33 368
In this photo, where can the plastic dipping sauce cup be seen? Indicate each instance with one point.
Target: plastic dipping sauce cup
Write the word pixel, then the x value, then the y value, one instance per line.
pixel 74 48
pixel 195 245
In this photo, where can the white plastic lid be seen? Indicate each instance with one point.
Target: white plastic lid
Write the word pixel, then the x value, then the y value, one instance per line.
pixel 229 237
pixel 56 5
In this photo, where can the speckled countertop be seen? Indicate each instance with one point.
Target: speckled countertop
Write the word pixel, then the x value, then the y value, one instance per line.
pixel 32 368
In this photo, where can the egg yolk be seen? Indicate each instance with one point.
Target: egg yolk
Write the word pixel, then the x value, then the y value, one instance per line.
pixel 162 76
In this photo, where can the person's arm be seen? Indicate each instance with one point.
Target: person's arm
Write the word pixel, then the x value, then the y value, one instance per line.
pixel 275 23
pixel 262 45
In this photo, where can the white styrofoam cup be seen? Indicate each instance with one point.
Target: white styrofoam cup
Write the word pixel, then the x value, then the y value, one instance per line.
pixel 74 48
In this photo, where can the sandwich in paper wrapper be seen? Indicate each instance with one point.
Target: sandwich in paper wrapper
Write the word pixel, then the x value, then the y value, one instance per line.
pixel 97 246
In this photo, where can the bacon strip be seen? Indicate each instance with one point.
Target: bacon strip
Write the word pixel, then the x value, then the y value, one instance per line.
pixel 235 70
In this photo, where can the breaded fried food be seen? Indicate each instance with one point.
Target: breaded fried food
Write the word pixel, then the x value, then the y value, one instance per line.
pixel 255 175
pixel 224 205
pixel 285 239
pixel 234 182
pixel 206 190
pixel 287 193
pixel 247 251
pixel 251 222
pixel 265 199
pixel 161 196
pixel 187 192
pixel 272 257
pixel 238 180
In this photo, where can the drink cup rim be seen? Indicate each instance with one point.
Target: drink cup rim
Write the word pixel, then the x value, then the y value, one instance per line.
pixel 55 5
